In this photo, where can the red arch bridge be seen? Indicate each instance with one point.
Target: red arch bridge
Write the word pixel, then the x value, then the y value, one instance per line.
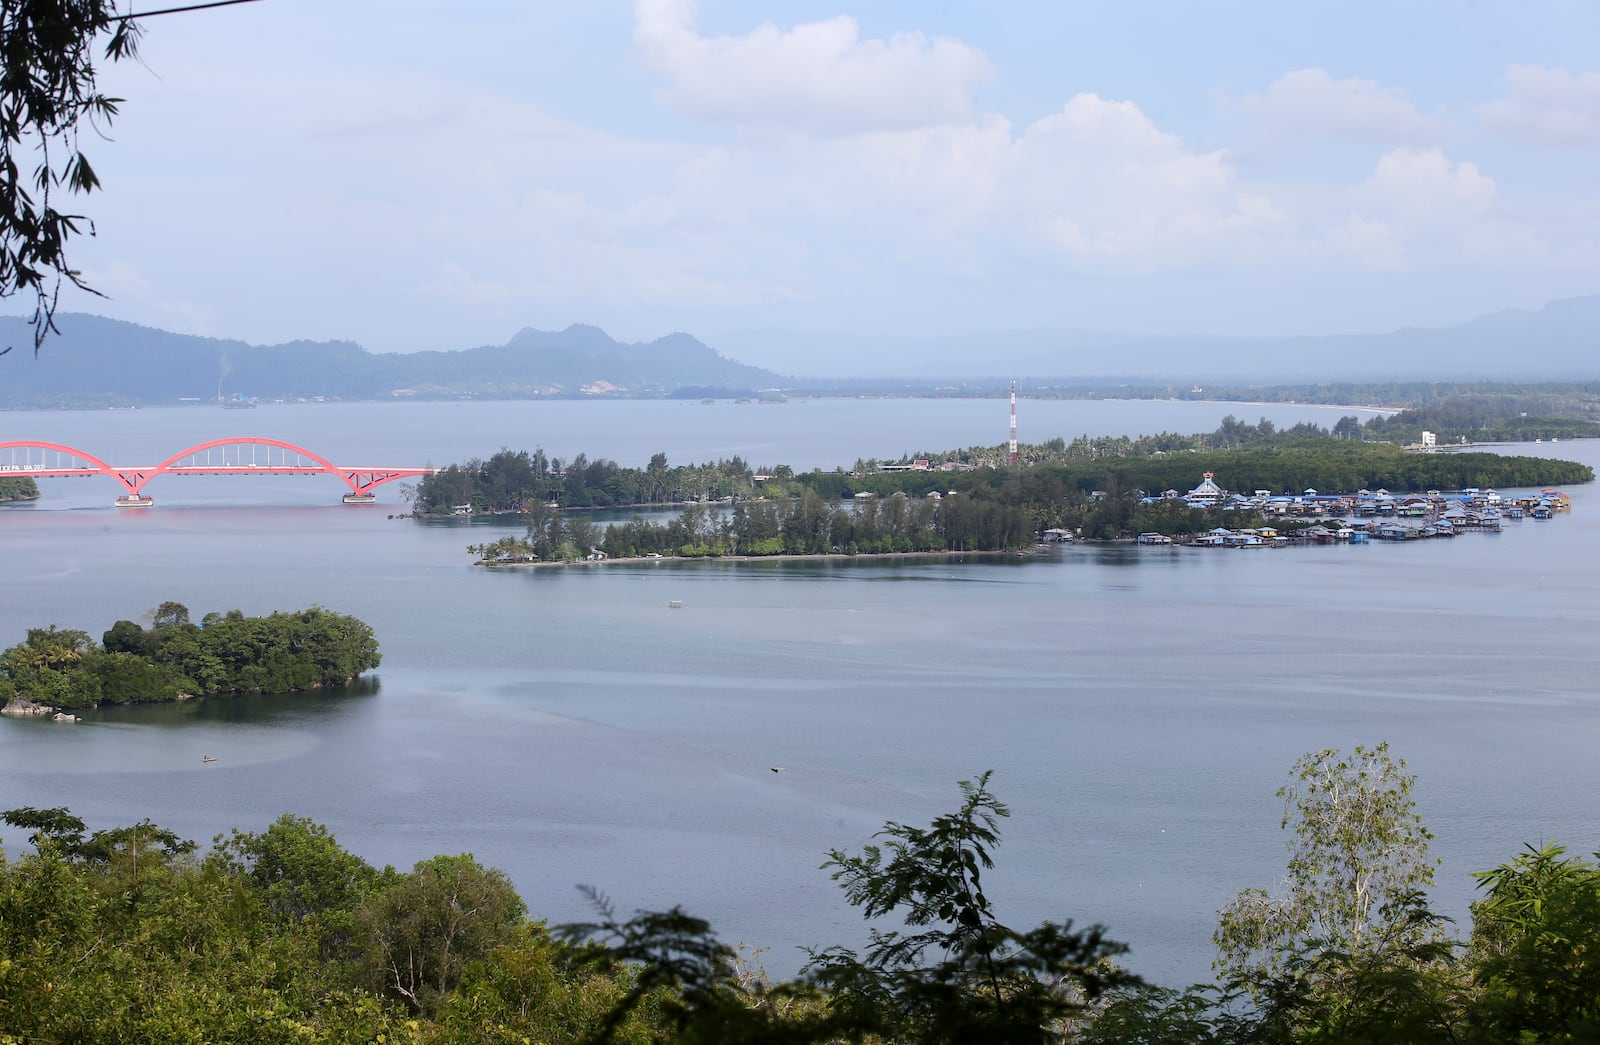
pixel 239 456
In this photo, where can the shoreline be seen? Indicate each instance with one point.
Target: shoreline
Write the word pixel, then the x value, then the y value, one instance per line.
pixel 1019 553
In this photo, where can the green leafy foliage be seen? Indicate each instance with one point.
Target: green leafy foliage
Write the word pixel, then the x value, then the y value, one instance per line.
pixel 303 880
pixel 125 934
pixel 126 937
pixel 964 975
pixel 535 987
pixel 297 869
pixel 676 963
pixel 1358 851
pixel 55 828
pixel 1536 949
pixel 1150 1015
pixel 417 935
pixel 517 481
pixel 1400 986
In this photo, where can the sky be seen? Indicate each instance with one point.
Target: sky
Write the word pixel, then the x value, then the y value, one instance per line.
pixel 412 175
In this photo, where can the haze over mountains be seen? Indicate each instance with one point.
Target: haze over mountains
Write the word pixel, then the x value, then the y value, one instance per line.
pixel 1559 341
pixel 98 360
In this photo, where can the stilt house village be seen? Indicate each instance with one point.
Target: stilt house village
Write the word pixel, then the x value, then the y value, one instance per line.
pixel 1365 515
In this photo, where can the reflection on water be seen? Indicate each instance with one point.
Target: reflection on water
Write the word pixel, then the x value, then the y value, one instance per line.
pixel 211 733
pixel 1124 555
pixel 253 708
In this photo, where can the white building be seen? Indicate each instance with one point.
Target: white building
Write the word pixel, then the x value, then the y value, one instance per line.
pixel 1207 495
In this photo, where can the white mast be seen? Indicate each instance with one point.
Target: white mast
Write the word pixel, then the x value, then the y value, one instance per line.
pixel 1011 457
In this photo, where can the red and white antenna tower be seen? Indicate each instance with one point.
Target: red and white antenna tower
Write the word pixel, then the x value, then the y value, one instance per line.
pixel 1011 455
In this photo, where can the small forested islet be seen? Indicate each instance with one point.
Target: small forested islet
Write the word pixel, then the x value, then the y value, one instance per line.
pixel 18 488
pixel 174 658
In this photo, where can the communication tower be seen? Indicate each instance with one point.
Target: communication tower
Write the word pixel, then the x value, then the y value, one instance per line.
pixel 1011 455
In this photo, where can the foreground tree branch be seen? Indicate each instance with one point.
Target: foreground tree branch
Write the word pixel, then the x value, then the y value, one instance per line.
pixel 49 92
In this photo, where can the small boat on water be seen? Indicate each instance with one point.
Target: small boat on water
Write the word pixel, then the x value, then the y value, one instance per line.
pixel 208 758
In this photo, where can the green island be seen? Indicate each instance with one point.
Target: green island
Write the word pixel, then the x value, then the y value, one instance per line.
pixel 283 936
pixel 174 659
pixel 18 488
pixel 958 501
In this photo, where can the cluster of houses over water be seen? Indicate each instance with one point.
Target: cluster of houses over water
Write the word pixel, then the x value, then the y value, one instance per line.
pixel 1368 515
pixel 1363 516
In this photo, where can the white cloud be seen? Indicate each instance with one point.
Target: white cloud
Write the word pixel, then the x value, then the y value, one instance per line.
pixel 1424 185
pixel 1310 102
pixel 1093 185
pixel 1547 107
pixel 817 76
pixel 1439 210
pixel 851 179
pixel 1373 243
pixel 1100 181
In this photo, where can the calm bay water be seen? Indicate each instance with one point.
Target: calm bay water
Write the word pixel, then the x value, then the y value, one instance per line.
pixel 1139 706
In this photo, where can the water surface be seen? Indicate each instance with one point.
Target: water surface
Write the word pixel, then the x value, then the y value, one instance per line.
pixel 1139 705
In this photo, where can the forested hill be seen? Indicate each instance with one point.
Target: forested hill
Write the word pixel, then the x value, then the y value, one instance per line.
pixel 98 361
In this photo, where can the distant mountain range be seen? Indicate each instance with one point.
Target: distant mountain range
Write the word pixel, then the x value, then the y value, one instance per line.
pixel 98 360
pixel 1558 342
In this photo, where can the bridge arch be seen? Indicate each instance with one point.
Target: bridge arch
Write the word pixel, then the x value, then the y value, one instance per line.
pixel 295 460
pixel 96 466
pixel 170 465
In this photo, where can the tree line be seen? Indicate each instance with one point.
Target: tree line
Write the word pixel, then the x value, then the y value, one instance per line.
pixel 1100 496
pixel 518 481
pixel 1505 418
pixel 1550 398
pixel 174 657
pixel 965 500
pixel 1242 455
pixel 1264 456
pixel 132 934
pixel 804 525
